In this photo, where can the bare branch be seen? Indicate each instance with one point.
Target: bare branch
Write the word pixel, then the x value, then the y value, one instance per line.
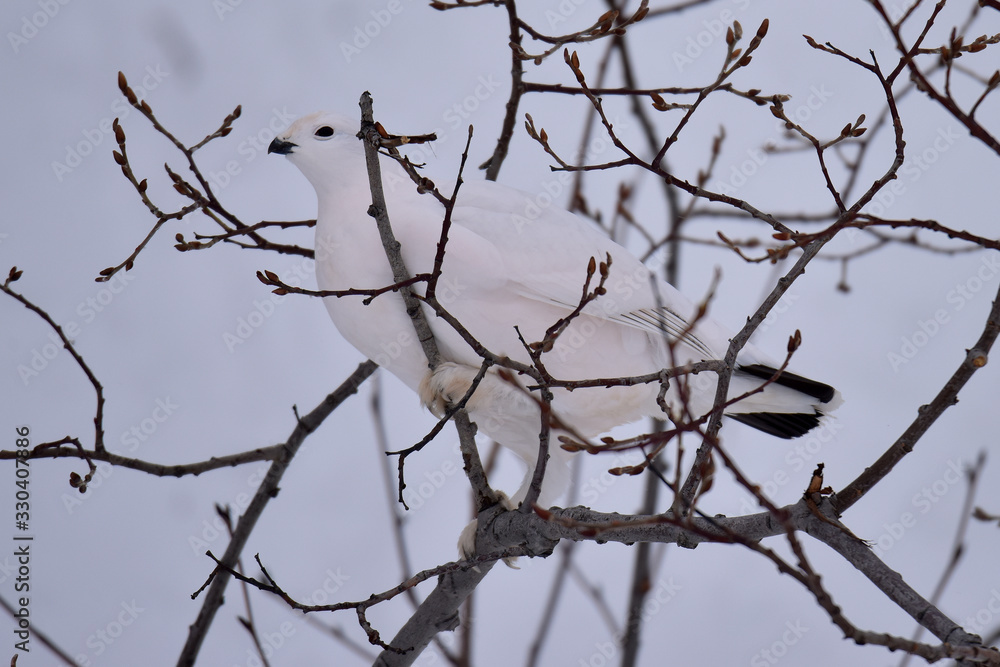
pixel 975 358
pixel 265 492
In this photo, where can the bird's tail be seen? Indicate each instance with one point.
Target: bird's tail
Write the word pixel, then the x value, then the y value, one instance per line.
pixel 788 408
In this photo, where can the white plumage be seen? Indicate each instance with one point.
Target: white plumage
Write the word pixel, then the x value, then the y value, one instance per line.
pixel 512 262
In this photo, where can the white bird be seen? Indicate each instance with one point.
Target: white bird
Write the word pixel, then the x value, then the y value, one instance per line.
pixel 511 261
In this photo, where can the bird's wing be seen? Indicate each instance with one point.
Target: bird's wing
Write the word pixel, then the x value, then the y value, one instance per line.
pixel 546 251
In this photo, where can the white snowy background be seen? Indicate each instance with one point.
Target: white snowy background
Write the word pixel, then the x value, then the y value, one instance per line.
pixel 112 571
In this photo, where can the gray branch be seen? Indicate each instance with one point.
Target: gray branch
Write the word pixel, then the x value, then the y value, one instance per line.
pixel 440 610
pixel 267 490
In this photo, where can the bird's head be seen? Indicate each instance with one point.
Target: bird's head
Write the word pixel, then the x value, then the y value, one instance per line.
pixel 321 145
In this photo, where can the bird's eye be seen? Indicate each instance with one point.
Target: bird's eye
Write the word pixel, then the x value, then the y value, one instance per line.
pixel 324 132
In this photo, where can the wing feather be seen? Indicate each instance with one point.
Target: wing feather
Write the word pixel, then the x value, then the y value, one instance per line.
pixel 545 265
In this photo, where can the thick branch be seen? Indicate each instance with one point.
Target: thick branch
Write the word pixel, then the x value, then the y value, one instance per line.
pixel 975 358
pixel 267 490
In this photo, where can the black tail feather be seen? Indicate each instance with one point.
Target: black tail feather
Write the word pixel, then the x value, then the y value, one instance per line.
pixel 785 425
pixel 823 393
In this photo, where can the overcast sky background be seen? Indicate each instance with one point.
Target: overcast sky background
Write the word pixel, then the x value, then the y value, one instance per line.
pixel 131 549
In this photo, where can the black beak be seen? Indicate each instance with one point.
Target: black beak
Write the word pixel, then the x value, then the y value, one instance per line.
pixel 281 147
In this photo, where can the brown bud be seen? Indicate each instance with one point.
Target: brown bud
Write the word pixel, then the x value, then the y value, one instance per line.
pixel 794 341
pixel 762 30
